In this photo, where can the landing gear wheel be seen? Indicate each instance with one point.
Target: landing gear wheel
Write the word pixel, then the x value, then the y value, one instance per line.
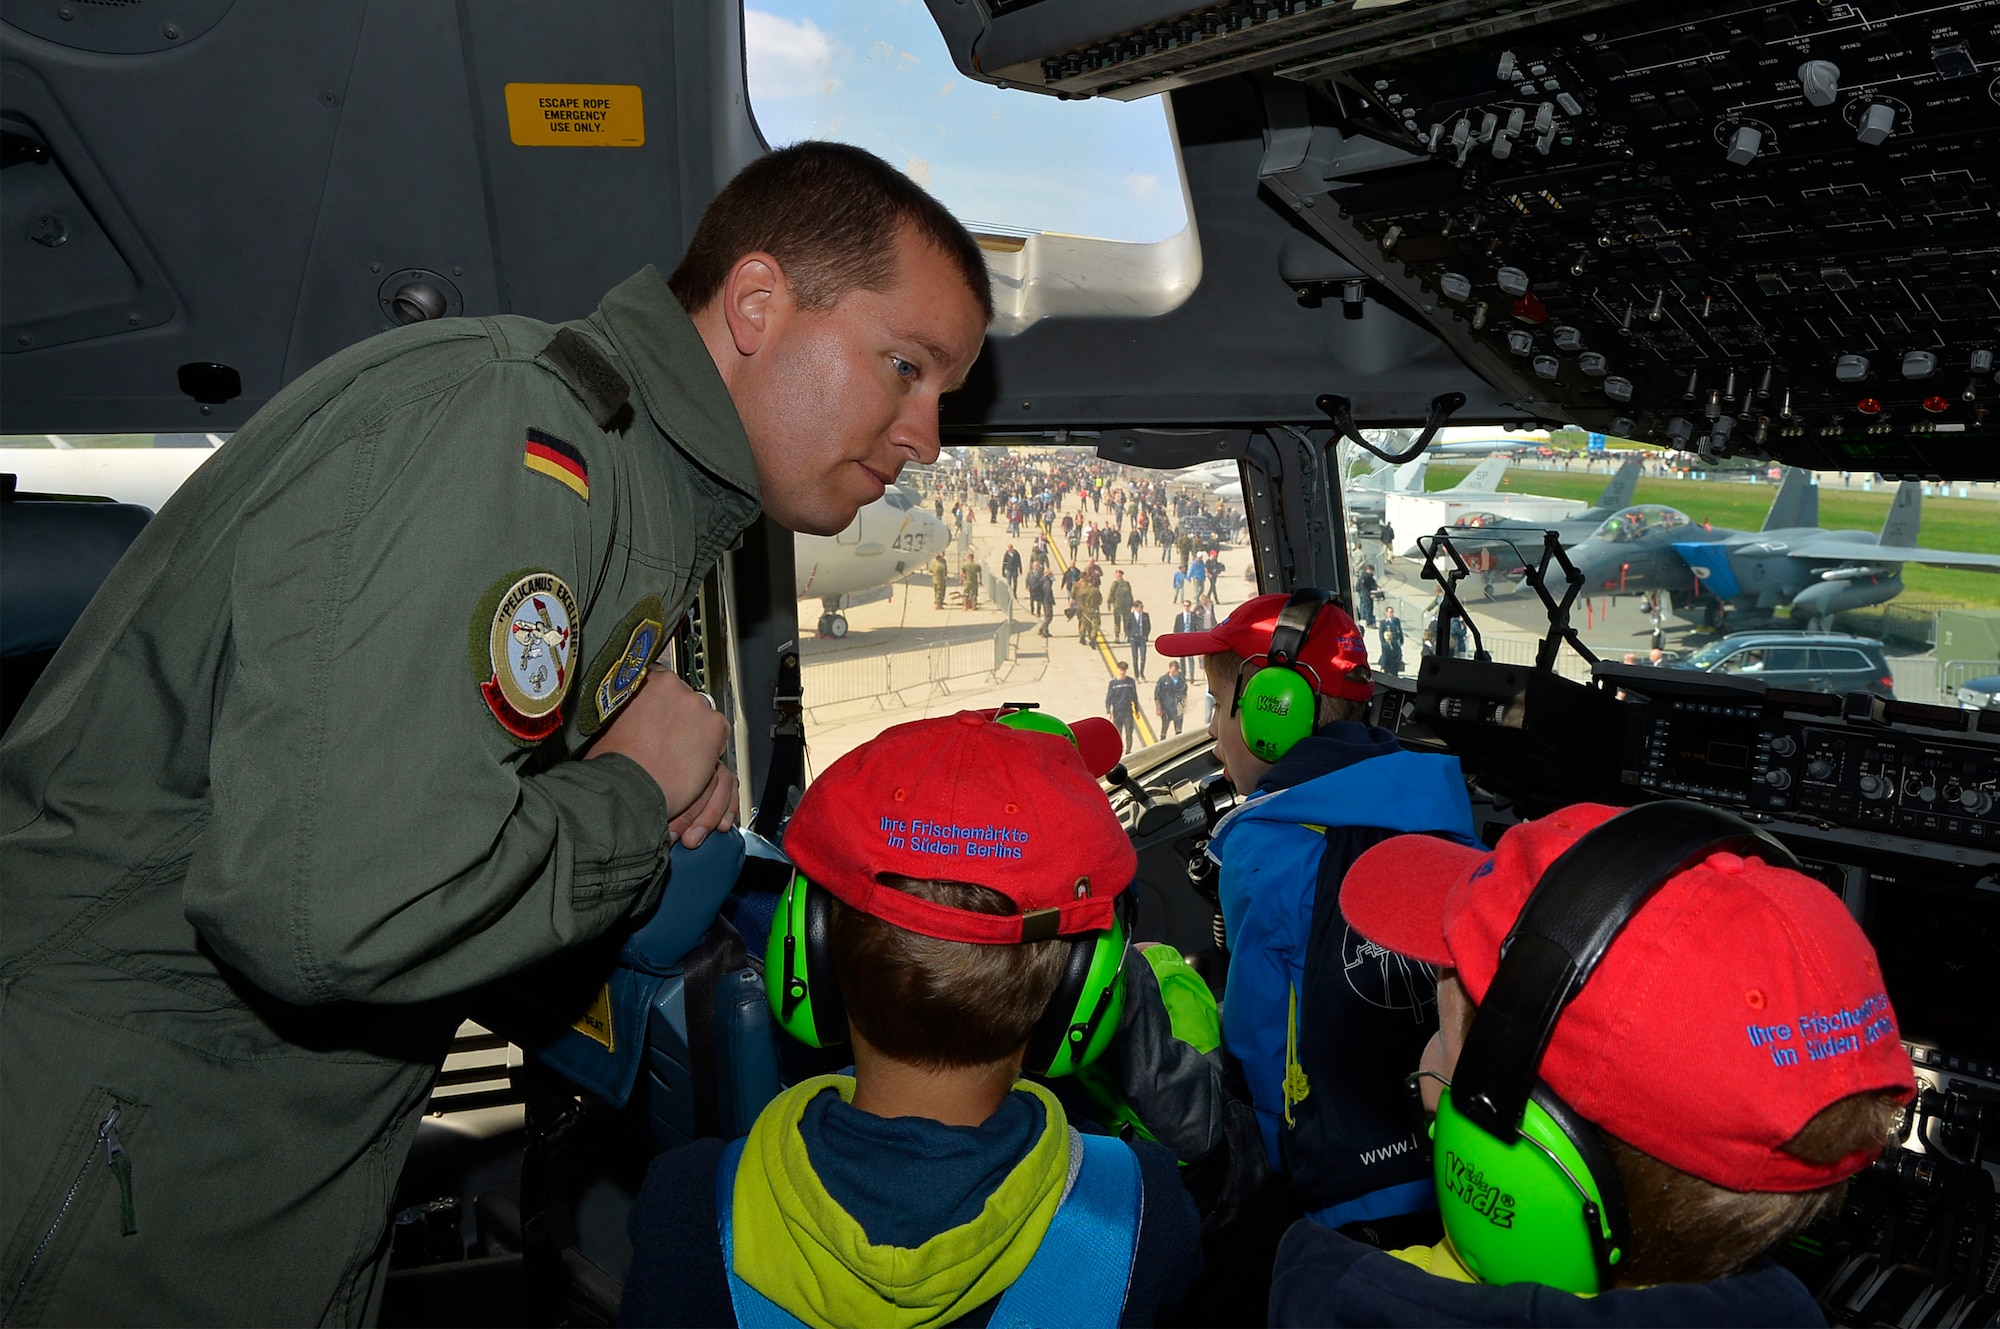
pixel 836 626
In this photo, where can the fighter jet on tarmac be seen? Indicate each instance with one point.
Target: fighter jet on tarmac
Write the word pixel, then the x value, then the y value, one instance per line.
pixel 1616 496
pixel 1792 561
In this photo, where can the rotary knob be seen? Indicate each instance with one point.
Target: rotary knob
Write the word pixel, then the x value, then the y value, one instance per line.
pixel 1819 768
pixel 1927 794
pixel 1976 801
pixel 1783 745
pixel 1778 779
pixel 1874 786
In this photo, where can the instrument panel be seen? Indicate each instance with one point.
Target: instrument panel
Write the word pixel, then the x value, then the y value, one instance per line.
pixel 1747 754
pixel 1751 229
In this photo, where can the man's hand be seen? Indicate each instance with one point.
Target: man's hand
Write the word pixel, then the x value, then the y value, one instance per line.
pixel 677 737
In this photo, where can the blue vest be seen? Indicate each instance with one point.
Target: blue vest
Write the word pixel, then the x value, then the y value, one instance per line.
pixel 1079 1274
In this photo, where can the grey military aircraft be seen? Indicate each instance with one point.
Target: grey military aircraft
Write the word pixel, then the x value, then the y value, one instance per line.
pixel 1791 561
pixel 1616 497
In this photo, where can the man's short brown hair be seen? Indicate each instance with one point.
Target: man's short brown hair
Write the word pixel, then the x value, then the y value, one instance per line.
pixel 939 1003
pixel 830 214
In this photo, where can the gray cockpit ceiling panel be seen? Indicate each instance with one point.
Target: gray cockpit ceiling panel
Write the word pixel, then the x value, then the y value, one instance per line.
pixel 269 180
pixel 282 172
pixel 1245 348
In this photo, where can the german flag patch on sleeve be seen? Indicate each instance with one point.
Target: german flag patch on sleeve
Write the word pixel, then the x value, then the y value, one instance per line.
pixel 548 455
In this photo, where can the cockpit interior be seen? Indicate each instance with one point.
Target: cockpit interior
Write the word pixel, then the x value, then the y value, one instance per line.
pixel 1738 240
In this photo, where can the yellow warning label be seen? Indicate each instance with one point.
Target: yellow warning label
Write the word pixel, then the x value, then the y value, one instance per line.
pixel 596 1022
pixel 576 115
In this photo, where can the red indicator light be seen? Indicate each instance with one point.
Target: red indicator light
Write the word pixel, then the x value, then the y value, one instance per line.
pixel 1868 406
pixel 1936 404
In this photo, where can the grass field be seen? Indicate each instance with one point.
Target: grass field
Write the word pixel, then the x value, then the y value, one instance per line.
pixel 1971 524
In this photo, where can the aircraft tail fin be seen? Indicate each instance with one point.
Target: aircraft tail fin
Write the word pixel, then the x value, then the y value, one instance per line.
pixel 1410 477
pixel 1618 494
pixel 1797 503
pixel 1485 476
pixel 1906 515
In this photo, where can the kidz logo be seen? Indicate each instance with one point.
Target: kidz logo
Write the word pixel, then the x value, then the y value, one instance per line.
pixel 1470 1186
pixel 1274 705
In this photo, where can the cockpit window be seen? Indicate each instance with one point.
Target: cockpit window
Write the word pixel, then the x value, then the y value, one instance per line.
pixel 1080 206
pixel 875 73
pixel 1632 523
pixel 1019 572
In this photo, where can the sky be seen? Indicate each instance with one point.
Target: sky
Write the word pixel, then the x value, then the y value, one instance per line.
pixel 875 73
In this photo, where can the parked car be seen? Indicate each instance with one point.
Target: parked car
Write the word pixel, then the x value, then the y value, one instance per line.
pixel 1980 694
pixel 1802 661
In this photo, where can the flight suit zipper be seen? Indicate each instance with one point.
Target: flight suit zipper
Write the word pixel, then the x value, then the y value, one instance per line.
pixel 121 1168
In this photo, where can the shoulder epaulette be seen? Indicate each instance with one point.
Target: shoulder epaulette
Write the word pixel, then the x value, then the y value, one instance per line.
pixel 601 388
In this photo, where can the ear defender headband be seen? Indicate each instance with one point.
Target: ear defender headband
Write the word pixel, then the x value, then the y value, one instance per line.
pixel 1528 1191
pixel 1074 1029
pixel 1279 704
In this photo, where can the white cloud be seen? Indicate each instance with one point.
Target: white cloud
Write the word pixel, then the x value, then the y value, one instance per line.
pixel 1141 184
pixel 787 57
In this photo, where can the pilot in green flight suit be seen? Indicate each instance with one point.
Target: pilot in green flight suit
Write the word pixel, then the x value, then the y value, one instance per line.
pixel 262 933
pixel 303 774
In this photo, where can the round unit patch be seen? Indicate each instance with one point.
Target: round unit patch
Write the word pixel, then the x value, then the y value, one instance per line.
pixel 531 642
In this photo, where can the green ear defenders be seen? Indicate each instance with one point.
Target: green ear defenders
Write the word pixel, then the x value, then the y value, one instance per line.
pixel 1528 1191
pixel 1073 1031
pixel 1279 704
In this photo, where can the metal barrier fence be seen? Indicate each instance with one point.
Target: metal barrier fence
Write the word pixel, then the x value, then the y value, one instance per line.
pixel 1914 621
pixel 1927 679
pixel 839 677
pixel 1510 650
pixel 1958 673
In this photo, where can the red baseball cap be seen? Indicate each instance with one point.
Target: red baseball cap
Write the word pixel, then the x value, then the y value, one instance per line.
pixel 1334 650
pixel 961 798
pixel 1740 1001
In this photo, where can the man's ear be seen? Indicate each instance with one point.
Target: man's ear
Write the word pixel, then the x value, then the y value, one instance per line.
pixel 756 299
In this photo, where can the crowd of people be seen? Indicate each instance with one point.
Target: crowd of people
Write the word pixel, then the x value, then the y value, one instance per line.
pixel 1079 518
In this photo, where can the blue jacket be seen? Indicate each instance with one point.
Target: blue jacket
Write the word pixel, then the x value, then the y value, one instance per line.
pixel 1307 1002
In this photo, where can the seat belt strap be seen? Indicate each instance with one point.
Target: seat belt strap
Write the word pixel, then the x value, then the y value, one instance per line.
pixel 753 1309
pixel 1082 1270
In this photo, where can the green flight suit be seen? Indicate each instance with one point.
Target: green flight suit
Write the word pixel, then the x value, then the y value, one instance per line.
pixel 268 818
pixel 1118 599
pixel 968 577
pixel 1089 601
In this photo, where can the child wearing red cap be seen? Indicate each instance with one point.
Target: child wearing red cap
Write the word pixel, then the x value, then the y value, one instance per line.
pixel 1323 1025
pixel 954 913
pixel 1722 1053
